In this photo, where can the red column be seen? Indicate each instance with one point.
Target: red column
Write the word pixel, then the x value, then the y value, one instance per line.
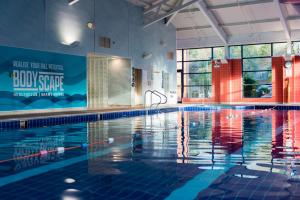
pixel 278 68
pixel 236 80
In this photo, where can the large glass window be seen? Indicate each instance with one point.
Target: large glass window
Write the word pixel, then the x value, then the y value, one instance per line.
pixel 179 55
pixel 235 52
pixel 296 48
pixel 198 54
pixel 198 78
pixel 219 53
pixel 257 67
pixel 257 50
pixel 257 71
pixel 279 49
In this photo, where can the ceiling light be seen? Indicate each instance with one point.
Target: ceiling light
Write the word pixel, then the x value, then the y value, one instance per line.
pixel 71 2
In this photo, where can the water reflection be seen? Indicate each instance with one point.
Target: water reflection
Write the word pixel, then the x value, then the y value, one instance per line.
pixel 26 149
pixel 241 146
pixel 259 140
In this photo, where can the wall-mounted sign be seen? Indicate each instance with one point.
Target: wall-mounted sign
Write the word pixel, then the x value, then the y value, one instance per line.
pixel 37 79
pixel 33 79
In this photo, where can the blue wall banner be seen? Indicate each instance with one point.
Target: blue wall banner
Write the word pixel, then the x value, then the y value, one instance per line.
pixel 31 79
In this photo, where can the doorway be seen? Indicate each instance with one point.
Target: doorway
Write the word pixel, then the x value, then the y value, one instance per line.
pixel 137 84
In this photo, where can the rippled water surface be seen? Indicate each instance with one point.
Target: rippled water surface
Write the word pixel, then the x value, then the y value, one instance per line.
pixel 225 154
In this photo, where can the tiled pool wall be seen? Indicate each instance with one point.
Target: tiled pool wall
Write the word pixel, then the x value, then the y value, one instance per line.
pixel 79 118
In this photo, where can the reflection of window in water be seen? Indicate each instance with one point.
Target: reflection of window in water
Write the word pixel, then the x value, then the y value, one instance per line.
pixel 257 137
pixel 200 125
pixel 137 141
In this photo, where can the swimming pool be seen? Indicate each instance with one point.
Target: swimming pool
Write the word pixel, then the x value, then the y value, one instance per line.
pixel 208 154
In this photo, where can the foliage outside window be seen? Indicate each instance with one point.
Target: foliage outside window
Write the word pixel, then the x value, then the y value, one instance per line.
pixel 198 78
pixel 257 71
pixel 279 49
pixel 296 48
pixel 257 67
pixel 218 53
pixel 258 50
pixel 235 52
pixel 198 54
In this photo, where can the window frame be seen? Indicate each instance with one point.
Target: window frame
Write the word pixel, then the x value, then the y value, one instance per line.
pixel 183 61
pixel 256 57
pixel 194 61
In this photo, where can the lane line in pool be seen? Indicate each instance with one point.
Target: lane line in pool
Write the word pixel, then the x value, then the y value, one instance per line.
pixel 37 171
pixel 203 180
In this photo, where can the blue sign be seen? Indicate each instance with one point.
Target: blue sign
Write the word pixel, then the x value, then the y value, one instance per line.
pixel 31 79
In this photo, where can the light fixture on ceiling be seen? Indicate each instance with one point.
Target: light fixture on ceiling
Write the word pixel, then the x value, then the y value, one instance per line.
pixel 72 2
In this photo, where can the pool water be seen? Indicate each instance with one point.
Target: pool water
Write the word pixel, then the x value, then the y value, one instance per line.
pixel 221 154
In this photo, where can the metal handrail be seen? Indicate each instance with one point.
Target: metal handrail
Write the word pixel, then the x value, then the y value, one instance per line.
pixel 145 98
pixel 157 93
pixel 166 98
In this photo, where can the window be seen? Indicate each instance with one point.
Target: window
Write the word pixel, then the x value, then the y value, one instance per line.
pixel 257 71
pixel 235 52
pixel 198 54
pixel 218 53
pixel 198 79
pixel 258 50
pixel 279 49
pixel 179 55
pixel 179 59
pixel 257 67
pixel 296 48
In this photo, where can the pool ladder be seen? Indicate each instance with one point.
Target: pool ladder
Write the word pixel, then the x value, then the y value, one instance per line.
pixel 160 102
pixel 156 93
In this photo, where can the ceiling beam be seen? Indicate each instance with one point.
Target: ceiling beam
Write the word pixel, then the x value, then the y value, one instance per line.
pixel 170 19
pixel 156 6
pixel 283 20
pixel 290 18
pixel 163 16
pixel 230 24
pixel 212 20
pixel 229 5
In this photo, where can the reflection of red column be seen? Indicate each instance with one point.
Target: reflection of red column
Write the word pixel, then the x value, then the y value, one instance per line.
pixel 216 128
pixel 294 134
pixel 227 129
pixel 278 118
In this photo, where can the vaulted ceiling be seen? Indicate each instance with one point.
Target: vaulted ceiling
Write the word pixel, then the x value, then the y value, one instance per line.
pixel 202 23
